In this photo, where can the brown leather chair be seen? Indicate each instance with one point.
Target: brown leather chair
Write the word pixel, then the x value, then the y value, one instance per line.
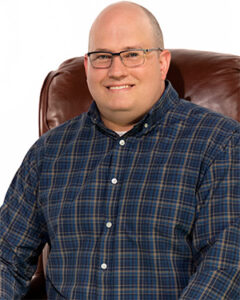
pixel 209 79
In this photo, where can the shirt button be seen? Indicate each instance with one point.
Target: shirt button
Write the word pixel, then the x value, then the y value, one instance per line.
pixel 109 224
pixel 103 266
pixel 122 142
pixel 146 125
pixel 114 181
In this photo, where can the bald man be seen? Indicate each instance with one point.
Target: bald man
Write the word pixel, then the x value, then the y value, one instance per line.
pixel 139 197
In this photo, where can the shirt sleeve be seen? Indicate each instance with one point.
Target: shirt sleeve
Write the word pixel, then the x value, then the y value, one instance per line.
pixel 215 239
pixel 21 231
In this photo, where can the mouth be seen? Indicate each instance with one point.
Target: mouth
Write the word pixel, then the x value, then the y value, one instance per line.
pixel 120 87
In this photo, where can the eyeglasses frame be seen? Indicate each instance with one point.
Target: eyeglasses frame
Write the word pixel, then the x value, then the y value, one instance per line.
pixel 145 51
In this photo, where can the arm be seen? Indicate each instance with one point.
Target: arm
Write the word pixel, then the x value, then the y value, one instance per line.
pixel 21 231
pixel 216 233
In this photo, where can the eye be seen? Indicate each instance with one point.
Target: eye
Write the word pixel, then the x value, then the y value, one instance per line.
pixel 102 56
pixel 132 54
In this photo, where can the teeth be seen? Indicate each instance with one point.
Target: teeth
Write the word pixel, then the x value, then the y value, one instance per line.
pixel 119 87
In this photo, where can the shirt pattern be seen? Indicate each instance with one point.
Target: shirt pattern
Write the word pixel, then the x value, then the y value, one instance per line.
pixel 153 214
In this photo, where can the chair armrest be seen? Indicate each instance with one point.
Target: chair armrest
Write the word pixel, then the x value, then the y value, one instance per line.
pixel 37 289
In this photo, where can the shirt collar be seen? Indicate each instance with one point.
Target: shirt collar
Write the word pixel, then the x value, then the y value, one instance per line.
pixel 168 100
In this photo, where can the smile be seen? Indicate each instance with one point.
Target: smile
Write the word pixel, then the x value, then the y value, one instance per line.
pixel 120 87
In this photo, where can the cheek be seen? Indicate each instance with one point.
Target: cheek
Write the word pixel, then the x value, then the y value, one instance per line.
pixel 93 80
pixel 153 78
pixel 153 84
pixel 95 86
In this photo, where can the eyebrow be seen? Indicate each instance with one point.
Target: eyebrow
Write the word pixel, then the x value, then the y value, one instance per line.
pixel 126 48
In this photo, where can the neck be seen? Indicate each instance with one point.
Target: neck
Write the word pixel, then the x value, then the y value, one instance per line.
pixel 117 127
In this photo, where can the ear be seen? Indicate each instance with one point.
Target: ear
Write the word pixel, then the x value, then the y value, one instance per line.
pixel 86 64
pixel 164 59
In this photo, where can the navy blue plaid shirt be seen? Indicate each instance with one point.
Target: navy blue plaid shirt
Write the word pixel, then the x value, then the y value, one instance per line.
pixel 153 214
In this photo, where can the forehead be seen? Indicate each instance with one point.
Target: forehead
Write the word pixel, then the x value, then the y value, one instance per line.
pixel 121 28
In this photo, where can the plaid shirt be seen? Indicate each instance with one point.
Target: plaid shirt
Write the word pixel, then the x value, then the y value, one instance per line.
pixel 153 214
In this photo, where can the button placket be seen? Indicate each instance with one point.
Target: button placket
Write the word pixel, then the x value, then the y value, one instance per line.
pixel 108 224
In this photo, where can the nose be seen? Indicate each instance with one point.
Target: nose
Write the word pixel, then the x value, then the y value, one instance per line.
pixel 117 69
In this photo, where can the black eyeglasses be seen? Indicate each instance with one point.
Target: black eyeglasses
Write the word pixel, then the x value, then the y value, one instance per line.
pixel 130 58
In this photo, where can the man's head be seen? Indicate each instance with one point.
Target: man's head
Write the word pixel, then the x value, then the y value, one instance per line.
pixel 124 94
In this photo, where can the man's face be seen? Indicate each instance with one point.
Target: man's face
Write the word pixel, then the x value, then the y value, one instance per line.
pixel 123 95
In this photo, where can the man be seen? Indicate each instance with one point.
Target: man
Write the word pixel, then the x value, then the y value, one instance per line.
pixel 139 197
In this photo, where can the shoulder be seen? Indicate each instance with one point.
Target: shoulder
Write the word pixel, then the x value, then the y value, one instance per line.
pixel 204 121
pixel 211 133
pixel 192 118
pixel 55 141
pixel 67 131
pixel 201 130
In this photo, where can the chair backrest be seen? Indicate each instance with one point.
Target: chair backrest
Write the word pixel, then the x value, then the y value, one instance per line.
pixel 206 78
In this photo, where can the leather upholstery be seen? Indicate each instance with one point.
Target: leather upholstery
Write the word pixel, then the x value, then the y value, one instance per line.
pixel 206 78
